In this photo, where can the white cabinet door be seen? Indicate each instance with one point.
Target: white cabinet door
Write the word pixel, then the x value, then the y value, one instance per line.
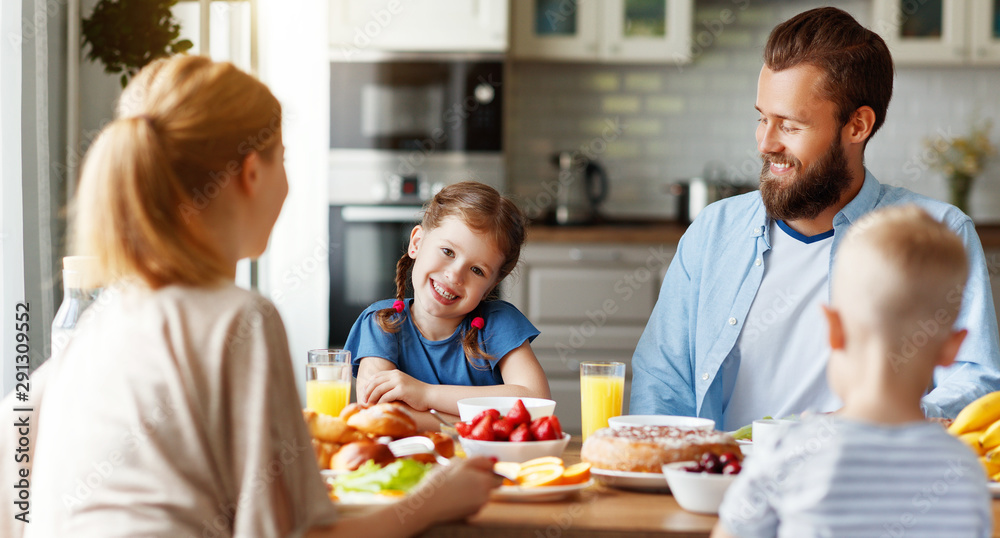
pixel 419 25
pixel 555 29
pixel 985 31
pixel 932 32
pixel 648 31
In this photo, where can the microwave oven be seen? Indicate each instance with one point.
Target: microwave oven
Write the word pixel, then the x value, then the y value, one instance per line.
pixel 417 102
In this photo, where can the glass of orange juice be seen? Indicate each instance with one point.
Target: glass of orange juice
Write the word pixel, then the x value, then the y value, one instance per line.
pixel 601 388
pixel 328 380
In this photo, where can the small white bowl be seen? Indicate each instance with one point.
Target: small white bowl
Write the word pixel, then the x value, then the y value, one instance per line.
pixel 468 408
pixel 701 493
pixel 516 452
pixel 766 432
pixel 695 423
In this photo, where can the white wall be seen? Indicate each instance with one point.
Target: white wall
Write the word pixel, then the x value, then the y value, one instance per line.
pixel 294 273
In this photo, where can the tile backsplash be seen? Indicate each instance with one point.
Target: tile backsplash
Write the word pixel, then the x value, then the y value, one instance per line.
pixel 651 125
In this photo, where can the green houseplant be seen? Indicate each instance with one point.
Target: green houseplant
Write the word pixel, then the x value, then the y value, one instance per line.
pixel 125 35
pixel 961 159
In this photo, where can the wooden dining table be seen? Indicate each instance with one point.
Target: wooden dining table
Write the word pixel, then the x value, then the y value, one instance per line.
pixel 595 512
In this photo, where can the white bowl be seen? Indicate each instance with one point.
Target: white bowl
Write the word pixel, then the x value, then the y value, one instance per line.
pixel 696 423
pixel 512 451
pixel 701 493
pixel 468 408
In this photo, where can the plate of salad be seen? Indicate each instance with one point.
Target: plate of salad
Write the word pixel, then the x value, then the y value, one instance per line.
pixel 372 485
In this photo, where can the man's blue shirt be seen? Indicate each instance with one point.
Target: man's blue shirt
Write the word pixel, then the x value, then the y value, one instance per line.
pixel 712 281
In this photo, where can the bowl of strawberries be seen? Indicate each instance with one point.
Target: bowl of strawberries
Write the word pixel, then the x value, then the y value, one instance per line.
pixel 470 408
pixel 513 436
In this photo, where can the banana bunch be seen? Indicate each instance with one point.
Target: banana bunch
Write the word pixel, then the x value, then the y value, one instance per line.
pixel 978 425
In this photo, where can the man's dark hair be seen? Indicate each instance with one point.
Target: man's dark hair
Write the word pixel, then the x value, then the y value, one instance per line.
pixel 855 61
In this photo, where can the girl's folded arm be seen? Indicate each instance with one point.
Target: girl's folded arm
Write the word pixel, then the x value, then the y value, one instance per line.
pixel 522 375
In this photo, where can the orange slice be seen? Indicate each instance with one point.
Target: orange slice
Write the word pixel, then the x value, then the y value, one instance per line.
pixel 541 475
pixel 507 468
pixel 576 474
pixel 544 460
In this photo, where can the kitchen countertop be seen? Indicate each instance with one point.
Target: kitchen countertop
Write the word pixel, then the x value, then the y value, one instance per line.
pixel 662 232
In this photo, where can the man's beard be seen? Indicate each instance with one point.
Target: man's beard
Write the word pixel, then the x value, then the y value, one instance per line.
pixel 811 191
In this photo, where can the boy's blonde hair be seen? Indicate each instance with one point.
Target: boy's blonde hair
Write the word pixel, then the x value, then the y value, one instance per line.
pixel 184 127
pixel 901 273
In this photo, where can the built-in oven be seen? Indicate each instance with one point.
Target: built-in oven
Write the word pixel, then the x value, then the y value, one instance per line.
pixel 366 242
pixel 402 127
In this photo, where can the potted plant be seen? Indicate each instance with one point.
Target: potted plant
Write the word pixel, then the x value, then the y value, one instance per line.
pixel 961 159
pixel 125 35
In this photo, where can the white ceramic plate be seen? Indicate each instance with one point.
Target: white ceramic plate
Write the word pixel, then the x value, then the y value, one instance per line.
pixel 539 494
pixel 630 480
pixel 746 446
pixel 994 488
pixel 357 503
pixel 332 473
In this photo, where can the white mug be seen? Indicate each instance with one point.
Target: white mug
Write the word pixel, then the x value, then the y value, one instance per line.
pixel 767 431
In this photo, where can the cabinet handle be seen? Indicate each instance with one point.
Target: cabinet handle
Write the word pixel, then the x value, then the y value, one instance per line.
pixel 580 255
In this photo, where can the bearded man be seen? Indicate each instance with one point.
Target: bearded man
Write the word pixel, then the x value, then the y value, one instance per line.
pixel 737 332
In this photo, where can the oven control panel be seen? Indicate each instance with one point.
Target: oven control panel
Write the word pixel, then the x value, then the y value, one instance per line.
pixel 412 188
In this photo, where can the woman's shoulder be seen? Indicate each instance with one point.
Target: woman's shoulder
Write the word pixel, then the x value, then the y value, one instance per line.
pixel 224 300
pixel 197 312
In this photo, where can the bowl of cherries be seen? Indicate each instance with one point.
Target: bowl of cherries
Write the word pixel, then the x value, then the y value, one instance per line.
pixel 699 486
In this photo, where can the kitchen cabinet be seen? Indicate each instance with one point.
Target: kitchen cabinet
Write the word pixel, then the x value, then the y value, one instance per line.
pixel 993 266
pixel 591 303
pixel 650 31
pixel 940 31
pixel 358 26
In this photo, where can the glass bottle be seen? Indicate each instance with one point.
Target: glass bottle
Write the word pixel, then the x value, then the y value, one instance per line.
pixel 80 290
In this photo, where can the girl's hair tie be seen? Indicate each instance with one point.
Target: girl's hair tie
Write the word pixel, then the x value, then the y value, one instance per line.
pixel 398 305
pixel 478 323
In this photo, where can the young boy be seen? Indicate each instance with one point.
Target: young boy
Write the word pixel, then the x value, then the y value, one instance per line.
pixel 876 467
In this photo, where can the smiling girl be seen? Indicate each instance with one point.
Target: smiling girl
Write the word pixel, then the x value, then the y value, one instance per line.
pixel 449 342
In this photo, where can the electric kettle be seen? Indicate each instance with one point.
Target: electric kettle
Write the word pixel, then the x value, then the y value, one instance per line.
pixel 583 185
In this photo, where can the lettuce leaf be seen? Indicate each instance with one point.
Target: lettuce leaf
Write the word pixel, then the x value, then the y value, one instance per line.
pixel 746 432
pixel 399 475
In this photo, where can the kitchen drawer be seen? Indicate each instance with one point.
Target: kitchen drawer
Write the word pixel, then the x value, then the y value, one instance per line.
pixel 589 336
pixel 614 295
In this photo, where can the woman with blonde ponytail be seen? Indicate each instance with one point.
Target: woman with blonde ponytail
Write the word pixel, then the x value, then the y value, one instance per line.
pixel 173 410
pixel 449 341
